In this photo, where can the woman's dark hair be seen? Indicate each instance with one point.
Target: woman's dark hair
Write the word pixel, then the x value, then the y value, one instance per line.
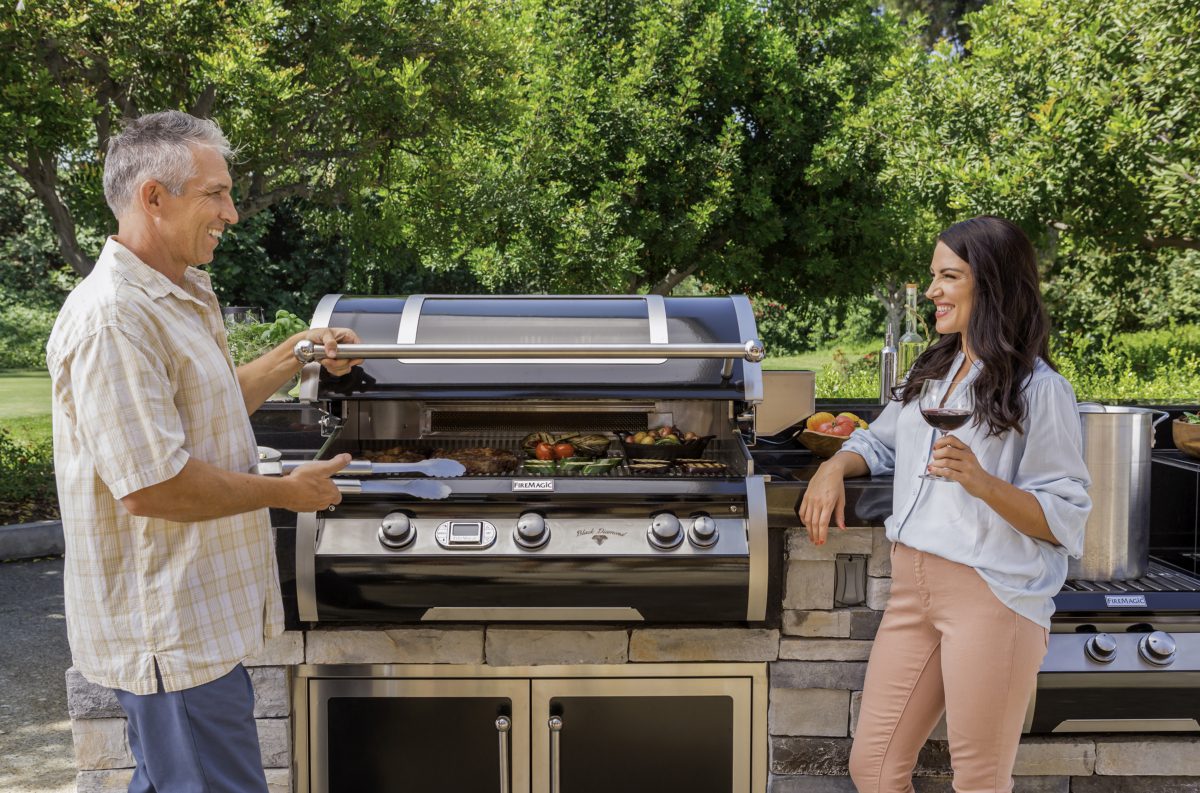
pixel 1008 329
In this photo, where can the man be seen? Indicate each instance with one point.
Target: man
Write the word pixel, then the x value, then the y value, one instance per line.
pixel 170 573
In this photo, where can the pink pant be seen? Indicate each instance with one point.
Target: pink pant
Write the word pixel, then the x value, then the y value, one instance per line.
pixel 946 643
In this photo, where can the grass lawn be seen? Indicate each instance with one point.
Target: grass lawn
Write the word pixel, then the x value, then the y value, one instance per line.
pixel 25 403
pixel 816 359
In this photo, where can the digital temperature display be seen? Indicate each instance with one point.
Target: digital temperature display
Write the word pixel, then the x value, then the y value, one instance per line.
pixel 466 533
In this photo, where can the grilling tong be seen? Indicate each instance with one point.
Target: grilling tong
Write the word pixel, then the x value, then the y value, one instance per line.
pixel 271 463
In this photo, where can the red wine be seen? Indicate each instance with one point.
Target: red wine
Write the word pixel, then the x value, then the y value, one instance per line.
pixel 946 419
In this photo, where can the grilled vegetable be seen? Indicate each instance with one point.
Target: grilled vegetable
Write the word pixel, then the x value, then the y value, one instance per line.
pixel 544 451
pixel 594 445
pixel 563 450
pixel 530 441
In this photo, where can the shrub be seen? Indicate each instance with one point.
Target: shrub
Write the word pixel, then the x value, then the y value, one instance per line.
pixel 849 377
pixel 27 489
pixel 1155 365
pixel 24 330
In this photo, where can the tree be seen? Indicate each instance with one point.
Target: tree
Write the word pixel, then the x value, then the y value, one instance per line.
pixel 318 94
pixel 944 18
pixel 1081 123
pixel 657 141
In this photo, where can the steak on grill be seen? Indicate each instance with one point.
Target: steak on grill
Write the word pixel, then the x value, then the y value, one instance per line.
pixel 481 459
pixel 394 455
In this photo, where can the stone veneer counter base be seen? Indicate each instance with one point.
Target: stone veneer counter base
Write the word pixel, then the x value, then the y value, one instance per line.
pixel 816 659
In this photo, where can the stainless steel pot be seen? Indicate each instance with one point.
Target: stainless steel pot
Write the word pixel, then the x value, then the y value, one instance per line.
pixel 1116 449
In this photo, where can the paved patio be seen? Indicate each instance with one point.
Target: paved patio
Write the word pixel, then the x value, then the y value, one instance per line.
pixel 36 754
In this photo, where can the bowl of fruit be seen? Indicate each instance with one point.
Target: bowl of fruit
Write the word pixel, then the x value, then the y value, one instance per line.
pixel 663 443
pixel 1185 431
pixel 824 433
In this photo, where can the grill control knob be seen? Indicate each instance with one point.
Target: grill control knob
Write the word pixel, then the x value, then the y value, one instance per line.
pixel 665 531
pixel 531 531
pixel 1158 648
pixel 703 532
pixel 397 531
pixel 1101 648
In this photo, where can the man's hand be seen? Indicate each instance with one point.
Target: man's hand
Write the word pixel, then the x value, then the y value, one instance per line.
pixel 329 338
pixel 313 491
pixel 954 460
pixel 263 376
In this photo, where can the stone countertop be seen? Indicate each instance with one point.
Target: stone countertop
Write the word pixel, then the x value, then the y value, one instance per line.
pixel 868 498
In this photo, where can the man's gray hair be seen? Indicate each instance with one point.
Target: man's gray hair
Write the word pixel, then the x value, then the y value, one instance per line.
pixel 157 146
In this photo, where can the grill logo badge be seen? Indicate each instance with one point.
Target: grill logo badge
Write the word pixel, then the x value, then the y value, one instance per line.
pixel 599 536
pixel 540 485
pixel 1125 601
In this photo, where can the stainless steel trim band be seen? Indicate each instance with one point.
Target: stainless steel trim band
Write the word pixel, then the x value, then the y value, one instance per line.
pixel 515 614
pixel 1128 725
pixel 756 529
pixel 751 351
pixel 306 568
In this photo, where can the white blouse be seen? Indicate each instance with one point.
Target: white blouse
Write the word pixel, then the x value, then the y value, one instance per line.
pixel 941 518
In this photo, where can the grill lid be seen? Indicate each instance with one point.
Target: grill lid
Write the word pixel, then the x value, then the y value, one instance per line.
pixel 533 346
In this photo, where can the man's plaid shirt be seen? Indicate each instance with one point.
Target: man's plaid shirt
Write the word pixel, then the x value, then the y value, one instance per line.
pixel 143 381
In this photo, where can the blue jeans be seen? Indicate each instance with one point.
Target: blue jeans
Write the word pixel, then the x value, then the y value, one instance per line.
pixel 199 740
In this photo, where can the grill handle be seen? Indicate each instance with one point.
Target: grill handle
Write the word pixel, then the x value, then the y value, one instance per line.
pixel 556 725
pixel 503 725
pixel 752 351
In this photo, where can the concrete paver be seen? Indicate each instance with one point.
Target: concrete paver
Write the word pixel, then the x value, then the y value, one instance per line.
pixel 36 754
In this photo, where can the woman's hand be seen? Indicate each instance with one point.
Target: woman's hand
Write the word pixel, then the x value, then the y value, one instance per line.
pixel 824 498
pixel 955 461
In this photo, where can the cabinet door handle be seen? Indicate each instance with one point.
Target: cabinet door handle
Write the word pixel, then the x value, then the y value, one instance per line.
pixel 556 725
pixel 503 725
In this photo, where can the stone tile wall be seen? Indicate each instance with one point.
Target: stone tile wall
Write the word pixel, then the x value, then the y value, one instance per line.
pixel 817 662
pixel 103 761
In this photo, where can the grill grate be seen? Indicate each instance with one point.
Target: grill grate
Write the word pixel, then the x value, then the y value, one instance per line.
pixel 1159 578
pixel 719 450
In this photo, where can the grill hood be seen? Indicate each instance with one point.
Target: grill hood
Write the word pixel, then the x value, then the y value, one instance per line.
pixel 536 347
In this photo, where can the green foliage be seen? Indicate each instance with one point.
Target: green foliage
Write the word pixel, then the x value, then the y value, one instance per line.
pixel 1158 365
pixel 249 340
pixel 654 141
pixel 1077 120
pixel 849 376
pixel 788 331
pixel 24 331
pixel 943 19
pixel 319 95
pixel 27 489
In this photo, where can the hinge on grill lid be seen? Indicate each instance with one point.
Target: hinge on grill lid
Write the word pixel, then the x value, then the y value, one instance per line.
pixel 747 426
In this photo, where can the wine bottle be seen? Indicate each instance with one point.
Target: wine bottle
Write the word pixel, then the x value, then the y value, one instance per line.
pixel 912 343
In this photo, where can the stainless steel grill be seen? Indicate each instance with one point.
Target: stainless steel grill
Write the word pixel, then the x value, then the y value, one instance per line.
pixel 451 373
pixel 1159 578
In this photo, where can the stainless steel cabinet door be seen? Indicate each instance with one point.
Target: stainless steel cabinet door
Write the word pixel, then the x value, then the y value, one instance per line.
pixel 641 735
pixel 419 736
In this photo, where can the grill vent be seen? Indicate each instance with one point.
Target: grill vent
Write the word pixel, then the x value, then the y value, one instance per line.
pixel 502 421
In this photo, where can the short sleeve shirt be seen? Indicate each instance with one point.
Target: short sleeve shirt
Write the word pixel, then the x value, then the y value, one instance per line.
pixel 143 382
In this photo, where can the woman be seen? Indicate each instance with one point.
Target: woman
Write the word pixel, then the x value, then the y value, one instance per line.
pixel 976 560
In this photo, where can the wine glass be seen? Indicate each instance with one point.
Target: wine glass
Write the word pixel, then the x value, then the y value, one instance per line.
pixel 945 408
